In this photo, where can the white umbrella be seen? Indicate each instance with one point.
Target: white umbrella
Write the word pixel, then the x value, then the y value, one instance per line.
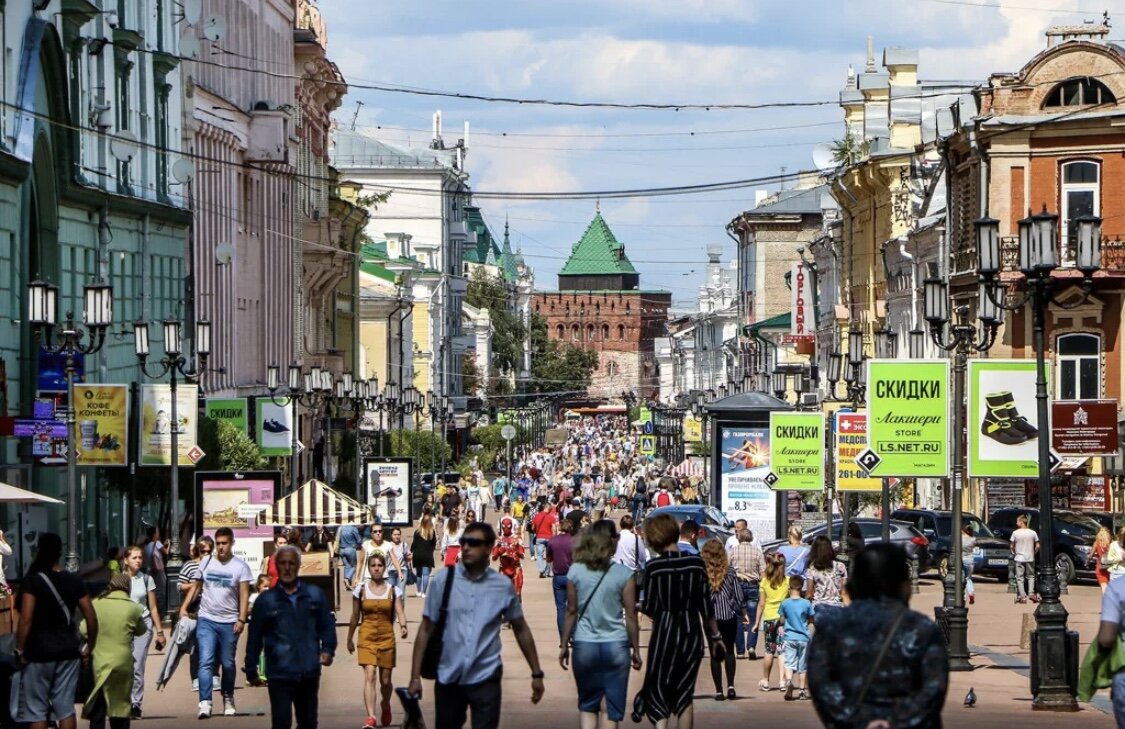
pixel 13 495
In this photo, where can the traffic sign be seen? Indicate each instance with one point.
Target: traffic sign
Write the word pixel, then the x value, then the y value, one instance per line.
pixel 195 455
pixel 648 445
pixel 647 428
pixel 508 432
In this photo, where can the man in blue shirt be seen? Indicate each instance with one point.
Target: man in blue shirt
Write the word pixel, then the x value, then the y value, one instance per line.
pixel 294 626
pixel 348 542
pixel 480 601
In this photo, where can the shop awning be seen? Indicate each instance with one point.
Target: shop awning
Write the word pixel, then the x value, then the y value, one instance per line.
pixel 314 504
pixel 688 467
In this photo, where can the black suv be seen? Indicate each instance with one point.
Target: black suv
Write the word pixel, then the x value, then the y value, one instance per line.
pixel 1073 538
pixel 990 555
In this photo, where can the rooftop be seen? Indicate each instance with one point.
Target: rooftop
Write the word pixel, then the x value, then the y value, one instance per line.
pixel 598 253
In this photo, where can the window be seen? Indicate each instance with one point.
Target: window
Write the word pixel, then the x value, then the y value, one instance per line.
pixel 576 333
pixel 1079 92
pixel 560 332
pixel 1080 196
pixel 589 332
pixel 621 331
pixel 611 369
pixel 605 332
pixel 1079 366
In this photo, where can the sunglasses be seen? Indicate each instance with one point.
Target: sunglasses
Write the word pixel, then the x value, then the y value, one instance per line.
pixel 376 531
pixel 474 542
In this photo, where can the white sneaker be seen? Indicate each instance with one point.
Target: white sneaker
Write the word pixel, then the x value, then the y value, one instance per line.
pixel 228 706
pixel 204 709
pixel 195 685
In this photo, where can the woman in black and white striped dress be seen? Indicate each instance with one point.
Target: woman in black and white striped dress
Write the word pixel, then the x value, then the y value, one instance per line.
pixel 677 599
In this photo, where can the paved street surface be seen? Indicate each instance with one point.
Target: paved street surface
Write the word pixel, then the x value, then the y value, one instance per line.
pixel 1000 684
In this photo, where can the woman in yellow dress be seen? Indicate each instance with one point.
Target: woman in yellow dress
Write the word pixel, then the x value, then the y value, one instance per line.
pixel 375 608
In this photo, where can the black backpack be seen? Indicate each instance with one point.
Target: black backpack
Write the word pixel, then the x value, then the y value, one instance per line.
pixel 641 486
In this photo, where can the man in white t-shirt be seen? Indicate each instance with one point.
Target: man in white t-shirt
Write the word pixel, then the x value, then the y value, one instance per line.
pixel 223 609
pixel 1024 546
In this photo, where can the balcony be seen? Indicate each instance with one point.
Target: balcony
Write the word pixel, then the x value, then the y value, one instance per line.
pixel 1113 255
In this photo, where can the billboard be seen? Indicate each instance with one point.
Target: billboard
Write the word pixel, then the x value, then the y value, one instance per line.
pixel 101 414
pixel 851 440
pixel 744 463
pixel 156 424
pixel 1003 424
pixel 273 429
pixel 232 410
pixel 1084 427
pixel 237 500
pixel 803 318
pixel 908 418
pixel 796 452
pixel 387 489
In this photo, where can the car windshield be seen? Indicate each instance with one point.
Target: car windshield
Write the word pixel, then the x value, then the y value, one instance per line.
pixel 1077 524
pixel 976 527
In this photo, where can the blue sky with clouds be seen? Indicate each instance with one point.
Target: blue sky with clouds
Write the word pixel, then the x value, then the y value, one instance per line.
pixel 650 51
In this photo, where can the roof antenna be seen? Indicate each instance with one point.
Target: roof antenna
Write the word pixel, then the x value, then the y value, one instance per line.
pixel 598 206
pixel 355 116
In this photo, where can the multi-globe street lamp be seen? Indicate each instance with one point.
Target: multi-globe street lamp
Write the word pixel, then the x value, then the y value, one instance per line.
pixel 97 315
pixel 174 363
pixel 311 389
pixel 1038 258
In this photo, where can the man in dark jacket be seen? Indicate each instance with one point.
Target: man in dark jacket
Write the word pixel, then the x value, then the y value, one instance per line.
pixel 293 624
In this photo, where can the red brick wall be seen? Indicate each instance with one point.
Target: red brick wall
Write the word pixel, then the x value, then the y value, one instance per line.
pixel 1046 183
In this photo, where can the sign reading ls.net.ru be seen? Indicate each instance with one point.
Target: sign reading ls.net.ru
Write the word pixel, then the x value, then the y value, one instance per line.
pixel 908 418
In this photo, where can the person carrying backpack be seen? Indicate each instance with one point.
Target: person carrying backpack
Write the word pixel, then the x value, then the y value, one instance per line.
pixel 664 496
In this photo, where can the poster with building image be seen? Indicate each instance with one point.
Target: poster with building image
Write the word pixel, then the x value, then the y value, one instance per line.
pixel 237 500
pixel 156 423
pixel 387 489
pixel 744 463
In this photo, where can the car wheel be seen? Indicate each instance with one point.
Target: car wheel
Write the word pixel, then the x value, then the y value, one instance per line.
pixel 943 566
pixel 1064 565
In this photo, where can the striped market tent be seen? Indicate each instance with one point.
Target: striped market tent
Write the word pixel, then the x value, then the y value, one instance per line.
pixel 688 467
pixel 316 503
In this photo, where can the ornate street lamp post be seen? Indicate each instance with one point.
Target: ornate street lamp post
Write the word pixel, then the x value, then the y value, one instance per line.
pixel 97 315
pixel 174 363
pixel 1038 258
pixel 311 389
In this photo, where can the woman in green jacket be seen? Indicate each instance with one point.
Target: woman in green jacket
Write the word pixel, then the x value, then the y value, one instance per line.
pixel 119 621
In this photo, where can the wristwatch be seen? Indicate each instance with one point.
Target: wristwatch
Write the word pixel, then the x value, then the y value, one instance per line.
pixel 537 674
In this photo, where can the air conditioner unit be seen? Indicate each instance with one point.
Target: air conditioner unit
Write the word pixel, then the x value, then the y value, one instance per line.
pixel 269 135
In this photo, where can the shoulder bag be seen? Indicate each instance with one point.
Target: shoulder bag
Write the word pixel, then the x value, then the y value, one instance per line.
pixel 879 658
pixel 432 656
pixel 586 604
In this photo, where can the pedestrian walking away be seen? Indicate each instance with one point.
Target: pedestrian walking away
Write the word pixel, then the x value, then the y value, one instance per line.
pixel 677 601
pixel 422 547
pixel 749 564
pixel 774 588
pixel 605 644
pixel 224 584
pixel 348 541
pixel 876 663
pixel 48 645
pixel 143 592
pixel 292 624
pixel 472 601
pixel 120 623
pixel 1024 546
pixel 796 617
pixel 729 609
pixel 826 577
pixel 559 555
pixel 375 610
pixel 543 528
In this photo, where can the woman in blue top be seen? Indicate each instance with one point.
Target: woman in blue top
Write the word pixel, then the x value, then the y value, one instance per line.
pixel 796 553
pixel 598 591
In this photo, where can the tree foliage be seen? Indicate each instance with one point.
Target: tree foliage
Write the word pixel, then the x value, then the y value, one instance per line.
pixel 236 451
pixel 558 366
pixel 508 330
pixel 420 444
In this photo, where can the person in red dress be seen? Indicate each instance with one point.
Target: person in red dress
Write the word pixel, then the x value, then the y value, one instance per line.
pixel 509 552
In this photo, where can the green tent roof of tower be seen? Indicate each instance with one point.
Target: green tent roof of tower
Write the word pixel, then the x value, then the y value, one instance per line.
pixel 598 252
pixel 508 264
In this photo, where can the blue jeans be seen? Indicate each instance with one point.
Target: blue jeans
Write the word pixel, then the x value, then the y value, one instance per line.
pixel 423 579
pixel 541 557
pixel 349 556
pixel 558 584
pixel 638 508
pixel 746 637
pixel 1117 693
pixel 602 670
pixel 215 641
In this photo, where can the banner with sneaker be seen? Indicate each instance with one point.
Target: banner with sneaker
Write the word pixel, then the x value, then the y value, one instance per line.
pixel 1003 425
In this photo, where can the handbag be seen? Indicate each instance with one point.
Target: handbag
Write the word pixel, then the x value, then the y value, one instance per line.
pixel 432 655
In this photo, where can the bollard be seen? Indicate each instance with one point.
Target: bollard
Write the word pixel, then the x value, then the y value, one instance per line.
pixel 914 588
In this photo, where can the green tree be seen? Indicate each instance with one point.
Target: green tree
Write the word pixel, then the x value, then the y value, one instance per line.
pixel 420 444
pixel 236 451
pixel 508 330
pixel 558 366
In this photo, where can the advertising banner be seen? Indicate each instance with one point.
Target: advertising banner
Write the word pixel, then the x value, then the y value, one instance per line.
pixel 693 429
pixel 744 463
pixel 1002 423
pixel 803 319
pixel 1084 427
pixel 237 500
pixel 156 424
pixel 908 418
pixel 851 440
pixel 388 489
pixel 233 410
pixel 101 413
pixel 52 371
pixel 1089 493
pixel 274 426
pixel 796 452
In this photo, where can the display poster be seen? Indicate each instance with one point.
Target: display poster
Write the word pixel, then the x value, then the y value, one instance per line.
pixel 803 320
pixel 273 426
pixel 796 451
pixel 908 418
pixel 1005 493
pixel 693 429
pixel 156 424
pixel 101 414
pixel 1002 422
pixel 1089 493
pixel 388 489
pixel 1084 427
pixel 851 440
pixel 237 500
pixel 744 463
pixel 52 370
pixel 231 410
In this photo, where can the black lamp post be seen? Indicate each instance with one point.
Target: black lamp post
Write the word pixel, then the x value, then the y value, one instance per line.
pixel 959 336
pixel 97 315
pixel 311 389
pixel 174 363
pixel 1038 258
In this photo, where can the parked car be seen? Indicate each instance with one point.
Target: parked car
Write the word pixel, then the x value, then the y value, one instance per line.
pixel 1105 519
pixel 1073 538
pixel 902 533
pixel 990 555
pixel 713 524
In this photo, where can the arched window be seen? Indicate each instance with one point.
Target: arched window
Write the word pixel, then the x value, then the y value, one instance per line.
pixel 560 332
pixel 1079 366
pixel 576 333
pixel 611 368
pixel 621 331
pixel 1079 92
pixel 589 332
pixel 605 332
pixel 1080 196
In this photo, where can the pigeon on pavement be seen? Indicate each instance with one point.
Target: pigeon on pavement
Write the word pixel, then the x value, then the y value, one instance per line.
pixel 970 698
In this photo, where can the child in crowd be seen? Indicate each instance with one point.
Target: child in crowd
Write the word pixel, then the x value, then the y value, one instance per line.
pixel 797 616
pixel 260 586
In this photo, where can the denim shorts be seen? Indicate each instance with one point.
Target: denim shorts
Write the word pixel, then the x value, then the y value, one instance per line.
pixel 795 655
pixel 45 691
pixel 602 670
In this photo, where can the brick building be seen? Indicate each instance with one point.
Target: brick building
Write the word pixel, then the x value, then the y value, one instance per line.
pixel 600 305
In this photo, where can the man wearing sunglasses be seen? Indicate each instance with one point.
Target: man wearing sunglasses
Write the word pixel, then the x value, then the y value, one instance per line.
pixel 480 601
